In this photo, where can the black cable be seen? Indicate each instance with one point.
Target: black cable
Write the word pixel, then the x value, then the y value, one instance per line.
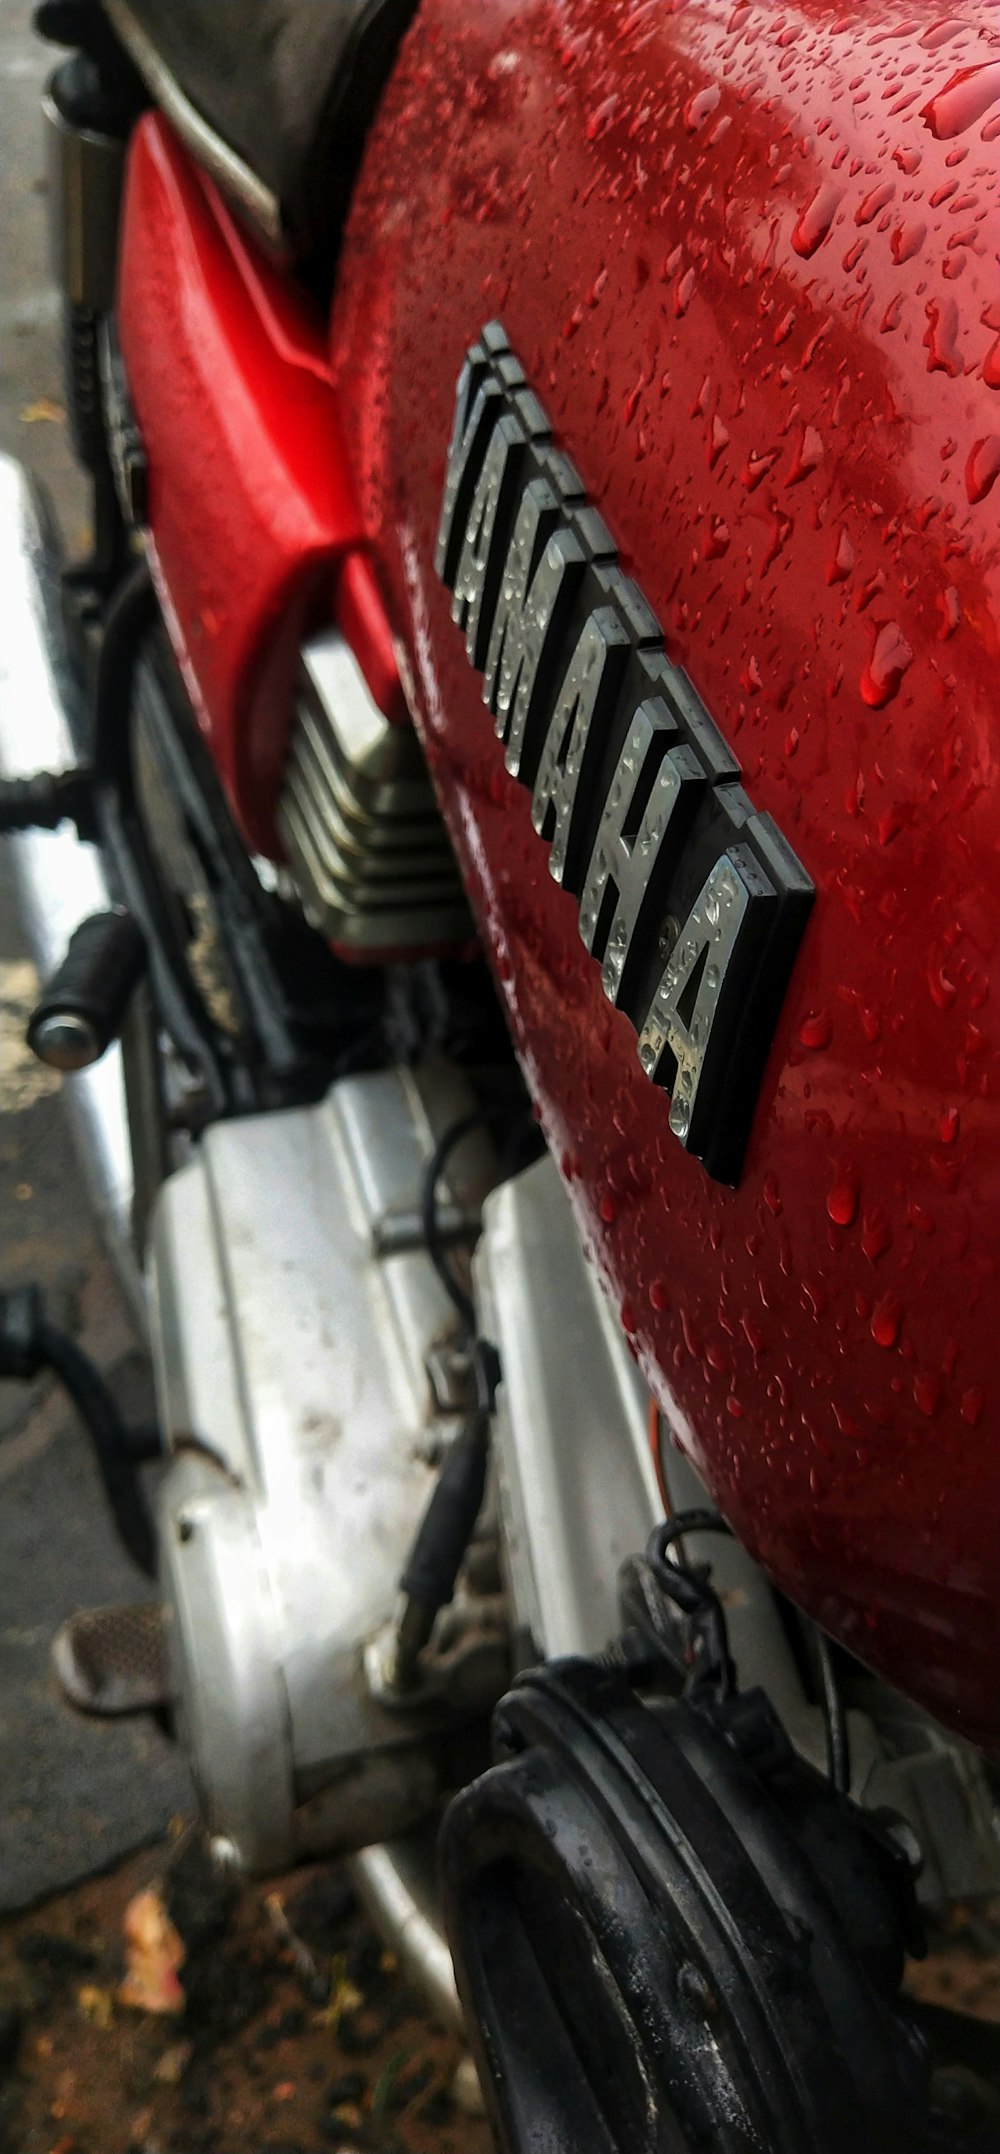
pixel 132 613
pixel 838 1754
pixel 430 1222
pixel 688 1586
pixel 28 1344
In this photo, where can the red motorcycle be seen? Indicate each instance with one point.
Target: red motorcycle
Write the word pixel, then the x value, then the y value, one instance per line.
pixel 517 792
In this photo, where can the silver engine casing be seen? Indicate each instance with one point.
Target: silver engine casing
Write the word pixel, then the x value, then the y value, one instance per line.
pixel 309 1380
pixel 302 1347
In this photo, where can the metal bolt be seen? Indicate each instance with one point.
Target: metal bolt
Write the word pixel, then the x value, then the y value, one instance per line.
pixel 185 1528
pixel 695 1992
pixel 66 1040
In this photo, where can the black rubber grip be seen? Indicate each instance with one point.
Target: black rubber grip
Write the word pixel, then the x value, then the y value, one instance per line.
pixel 97 978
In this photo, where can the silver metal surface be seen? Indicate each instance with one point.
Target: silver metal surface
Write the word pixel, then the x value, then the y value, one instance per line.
pixel 218 160
pixel 85 173
pixel 398 1884
pixel 578 1489
pixel 292 1385
pixel 66 1040
pixel 369 852
pixel 60 881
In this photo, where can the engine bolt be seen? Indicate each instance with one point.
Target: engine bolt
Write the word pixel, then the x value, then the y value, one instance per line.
pixel 695 1992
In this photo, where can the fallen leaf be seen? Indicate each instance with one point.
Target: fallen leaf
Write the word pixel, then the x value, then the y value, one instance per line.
pixel 43 408
pixel 97 2005
pixel 153 1952
pixel 173 2064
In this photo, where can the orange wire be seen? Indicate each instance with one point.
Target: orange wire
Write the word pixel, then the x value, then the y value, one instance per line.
pixel 655 1445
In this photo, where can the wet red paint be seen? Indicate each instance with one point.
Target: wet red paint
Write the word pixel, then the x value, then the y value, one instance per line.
pixel 252 506
pixel 663 207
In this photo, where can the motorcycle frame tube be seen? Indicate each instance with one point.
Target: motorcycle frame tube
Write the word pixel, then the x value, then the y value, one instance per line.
pixel 748 263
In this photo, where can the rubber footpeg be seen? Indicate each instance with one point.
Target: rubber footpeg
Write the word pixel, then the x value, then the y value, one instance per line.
pixel 84 1005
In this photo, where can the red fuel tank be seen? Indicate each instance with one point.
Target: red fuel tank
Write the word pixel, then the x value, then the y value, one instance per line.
pixel 747 259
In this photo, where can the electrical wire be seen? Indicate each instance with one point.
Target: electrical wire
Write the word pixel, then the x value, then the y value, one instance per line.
pixel 477 1118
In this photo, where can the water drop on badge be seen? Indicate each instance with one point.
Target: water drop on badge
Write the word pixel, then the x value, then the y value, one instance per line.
pixel 891 655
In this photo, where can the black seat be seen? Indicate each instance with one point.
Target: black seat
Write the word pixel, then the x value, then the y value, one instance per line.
pixel 289 85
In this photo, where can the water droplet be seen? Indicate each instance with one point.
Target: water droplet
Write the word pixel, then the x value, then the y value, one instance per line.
pixel 948 1126
pixel 815 220
pixel 839 568
pixel 891 655
pixel 842 1198
pixel 982 467
pixel 807 454
pixel 927 1393
pixel 608 1209
pixel 700 107
pixel 816 1029
pixel 973 1402
pixel 886 1318
pixel 719 441
pixel 907 240
pixel 658 1295
pixel 601 119
pixel 964 100
pixel 628 1317
pixel 756 468
pixel 877 199
pixel 772 1194
pixel 876 1236
pixel 941 338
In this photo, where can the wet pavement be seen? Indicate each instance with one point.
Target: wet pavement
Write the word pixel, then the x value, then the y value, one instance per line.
pixel 75 1794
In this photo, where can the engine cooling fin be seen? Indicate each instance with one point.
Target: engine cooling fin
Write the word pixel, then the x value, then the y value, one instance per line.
pixel 670 1936
pixel 369 852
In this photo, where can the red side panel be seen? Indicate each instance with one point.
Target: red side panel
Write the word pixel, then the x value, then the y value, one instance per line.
pixel 749 259
pixel 251 502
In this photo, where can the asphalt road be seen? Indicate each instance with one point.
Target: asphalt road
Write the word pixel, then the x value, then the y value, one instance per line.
pixel 75 1794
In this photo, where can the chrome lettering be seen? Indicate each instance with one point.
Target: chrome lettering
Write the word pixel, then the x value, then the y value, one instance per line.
pixel 479 563
pixel 478 404
pixel 540 580
pixel 589 689
pixel 653 795
pixel 679 1022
